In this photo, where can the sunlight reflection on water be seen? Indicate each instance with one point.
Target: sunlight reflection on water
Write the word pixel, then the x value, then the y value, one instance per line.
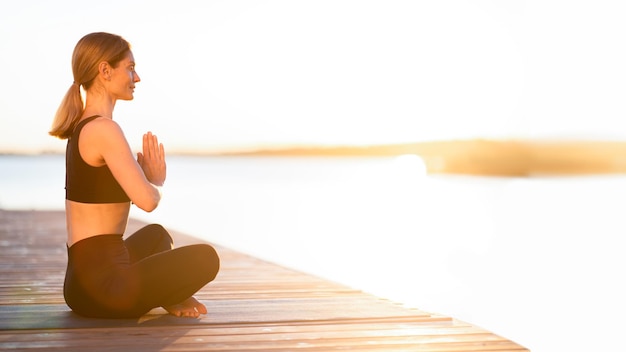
pixel 535 260
pixel 501 253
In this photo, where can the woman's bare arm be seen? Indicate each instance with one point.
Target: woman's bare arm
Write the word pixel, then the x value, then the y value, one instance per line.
pixel 105 143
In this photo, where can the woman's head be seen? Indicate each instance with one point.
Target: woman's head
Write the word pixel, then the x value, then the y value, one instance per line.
pixel 90 53
pixel 94 49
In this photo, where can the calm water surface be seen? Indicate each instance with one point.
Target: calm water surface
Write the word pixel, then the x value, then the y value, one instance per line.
pixel 538 260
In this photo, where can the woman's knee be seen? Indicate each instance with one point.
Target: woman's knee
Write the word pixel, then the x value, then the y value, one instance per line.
pixel 209 260
pixel 155 228
pixel 165 239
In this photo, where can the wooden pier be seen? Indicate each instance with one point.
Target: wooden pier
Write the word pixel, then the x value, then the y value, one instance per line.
pixel 253 305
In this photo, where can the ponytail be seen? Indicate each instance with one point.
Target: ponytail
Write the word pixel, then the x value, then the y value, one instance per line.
pixel 88 53
pixel 68 114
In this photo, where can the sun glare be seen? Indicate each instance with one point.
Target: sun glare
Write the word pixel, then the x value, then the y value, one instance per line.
pixel 411 165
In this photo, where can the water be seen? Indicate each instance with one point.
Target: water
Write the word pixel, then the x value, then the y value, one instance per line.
pixel 538 261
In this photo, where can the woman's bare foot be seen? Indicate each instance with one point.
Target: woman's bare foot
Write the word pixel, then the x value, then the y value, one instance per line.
pixel 188 308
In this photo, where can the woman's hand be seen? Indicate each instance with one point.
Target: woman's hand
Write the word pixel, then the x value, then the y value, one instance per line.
pixel 152 160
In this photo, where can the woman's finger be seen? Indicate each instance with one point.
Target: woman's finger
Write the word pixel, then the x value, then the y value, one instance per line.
pixel 146 146
pixel 161 151
pixel 140 158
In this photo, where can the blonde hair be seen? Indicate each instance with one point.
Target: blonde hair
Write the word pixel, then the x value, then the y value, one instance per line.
pixel 89 52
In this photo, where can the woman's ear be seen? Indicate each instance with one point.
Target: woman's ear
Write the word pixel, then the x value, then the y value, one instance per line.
pixel 104 69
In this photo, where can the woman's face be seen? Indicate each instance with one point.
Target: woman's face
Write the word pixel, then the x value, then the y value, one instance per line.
pixel 123 78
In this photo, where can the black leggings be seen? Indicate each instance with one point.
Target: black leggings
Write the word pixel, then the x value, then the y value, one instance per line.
pixel 108 277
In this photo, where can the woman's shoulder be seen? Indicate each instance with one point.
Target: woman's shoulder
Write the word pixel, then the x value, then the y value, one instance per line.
pixel 103 122
pixel 100 137
pixel 101 127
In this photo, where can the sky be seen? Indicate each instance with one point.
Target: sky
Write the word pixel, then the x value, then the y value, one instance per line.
pixel 233 74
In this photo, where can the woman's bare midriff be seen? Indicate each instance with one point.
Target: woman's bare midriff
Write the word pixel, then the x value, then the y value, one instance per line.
pixel 85 220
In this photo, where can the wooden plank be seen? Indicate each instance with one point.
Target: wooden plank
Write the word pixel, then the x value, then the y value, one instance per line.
pixel 273 343
pixel 220 312
pixel 253 305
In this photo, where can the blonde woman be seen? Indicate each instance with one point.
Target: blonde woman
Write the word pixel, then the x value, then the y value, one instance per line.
pixel 108 276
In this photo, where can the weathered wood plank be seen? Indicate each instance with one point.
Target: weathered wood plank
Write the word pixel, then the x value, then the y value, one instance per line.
pixel 253 305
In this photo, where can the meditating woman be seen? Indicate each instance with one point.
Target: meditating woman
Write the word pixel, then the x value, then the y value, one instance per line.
pixel 109 276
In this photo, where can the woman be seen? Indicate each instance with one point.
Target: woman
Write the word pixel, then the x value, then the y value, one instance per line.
pixel 107 276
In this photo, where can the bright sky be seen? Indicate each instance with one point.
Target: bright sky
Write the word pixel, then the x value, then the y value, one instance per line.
pixel 241 73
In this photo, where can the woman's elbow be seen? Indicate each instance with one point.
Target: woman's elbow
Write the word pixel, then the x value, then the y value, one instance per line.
pixel 149 207
pixel 148 204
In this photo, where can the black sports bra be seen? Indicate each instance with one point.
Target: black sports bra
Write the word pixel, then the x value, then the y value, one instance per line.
pixel 85 183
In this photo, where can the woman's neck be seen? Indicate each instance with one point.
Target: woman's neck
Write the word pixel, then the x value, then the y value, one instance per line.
pixel 99 105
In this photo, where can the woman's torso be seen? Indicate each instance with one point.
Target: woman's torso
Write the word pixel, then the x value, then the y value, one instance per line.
pixel 95 203
pixel 86 220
